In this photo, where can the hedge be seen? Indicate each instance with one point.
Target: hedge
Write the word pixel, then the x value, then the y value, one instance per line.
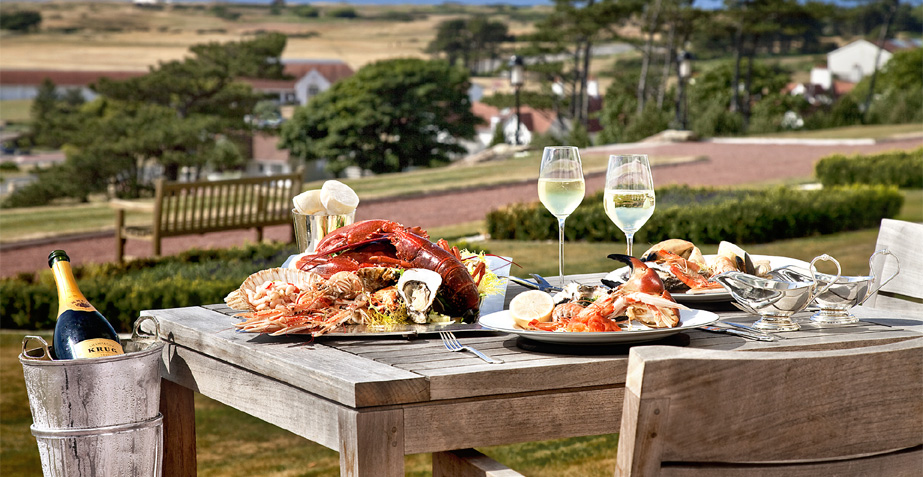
pixel 120 292
pixel 709 215
pixel 898 168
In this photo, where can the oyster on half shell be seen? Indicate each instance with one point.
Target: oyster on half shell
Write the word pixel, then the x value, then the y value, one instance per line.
pixel 418 288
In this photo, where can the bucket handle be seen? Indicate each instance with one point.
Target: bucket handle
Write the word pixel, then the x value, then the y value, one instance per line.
pixel 897 262
pixel 46 355
pixel 136 334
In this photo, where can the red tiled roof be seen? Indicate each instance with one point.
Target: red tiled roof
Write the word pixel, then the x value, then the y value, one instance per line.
pixel 484 111
pixel 62 78
pixel 332 70
pixel 842 87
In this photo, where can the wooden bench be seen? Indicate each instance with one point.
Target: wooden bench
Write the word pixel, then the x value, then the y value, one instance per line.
pixel 189 208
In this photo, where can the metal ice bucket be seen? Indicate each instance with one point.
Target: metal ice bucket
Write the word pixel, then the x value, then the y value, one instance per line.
pixel 843 292
pixel 97 416
pixel 775 299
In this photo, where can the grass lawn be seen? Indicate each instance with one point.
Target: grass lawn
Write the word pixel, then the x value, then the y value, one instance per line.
pixel 854 132
pixel 37 222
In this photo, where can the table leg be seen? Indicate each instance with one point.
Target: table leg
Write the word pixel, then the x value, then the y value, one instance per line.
pixel 178 409
pixel 371 443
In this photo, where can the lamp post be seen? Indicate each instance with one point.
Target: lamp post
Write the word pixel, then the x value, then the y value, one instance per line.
pixel 516 81
pixel 684 71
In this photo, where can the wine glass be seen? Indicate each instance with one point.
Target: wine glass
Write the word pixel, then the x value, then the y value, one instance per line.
pixel 561 188
pixel 629 195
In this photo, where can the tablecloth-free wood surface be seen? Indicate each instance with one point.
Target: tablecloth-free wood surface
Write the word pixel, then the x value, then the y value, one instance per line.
pixel 376 399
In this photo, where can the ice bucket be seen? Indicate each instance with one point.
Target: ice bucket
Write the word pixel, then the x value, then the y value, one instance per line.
pixel 97 416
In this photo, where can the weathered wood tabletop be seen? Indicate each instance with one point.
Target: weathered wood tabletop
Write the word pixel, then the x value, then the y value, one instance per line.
pixel 376 399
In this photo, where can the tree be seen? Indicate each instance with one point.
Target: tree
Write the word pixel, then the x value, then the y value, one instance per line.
pixel 194 100
pixel 899 90
pixel 712 91
pixel 175 116
pixel 571 30
pixel 22 20
pixel 54 115
pixel 753 22
pixel 389 116
pixel 470 40
pixel 891 6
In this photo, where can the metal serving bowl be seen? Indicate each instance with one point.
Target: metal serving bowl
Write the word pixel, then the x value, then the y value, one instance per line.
pixel 775 299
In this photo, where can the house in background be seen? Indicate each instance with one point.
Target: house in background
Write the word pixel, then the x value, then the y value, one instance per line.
pixel 857 60
pixel 24 84
pixel 531 121
pixel 845 67
pixel 309 78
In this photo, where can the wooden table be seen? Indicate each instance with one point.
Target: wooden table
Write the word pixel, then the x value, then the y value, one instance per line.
pixel 375 400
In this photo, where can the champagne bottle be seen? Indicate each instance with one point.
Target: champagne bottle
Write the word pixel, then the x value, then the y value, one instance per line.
pixel 81 331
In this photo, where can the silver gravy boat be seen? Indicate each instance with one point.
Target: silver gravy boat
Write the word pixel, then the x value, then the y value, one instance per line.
pixel 777 298
pixel 843 293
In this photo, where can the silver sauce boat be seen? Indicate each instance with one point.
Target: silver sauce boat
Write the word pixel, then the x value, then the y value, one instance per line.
pixel 777 298
pixel 843 292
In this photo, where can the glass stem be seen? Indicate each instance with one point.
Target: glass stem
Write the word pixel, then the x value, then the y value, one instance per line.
pixel 561 249
pixel 631 239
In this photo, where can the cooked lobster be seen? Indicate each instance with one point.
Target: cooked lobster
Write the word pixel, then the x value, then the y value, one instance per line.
pixel 375 243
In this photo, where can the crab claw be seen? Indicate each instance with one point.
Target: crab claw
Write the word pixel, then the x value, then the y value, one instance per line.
pixel 643 278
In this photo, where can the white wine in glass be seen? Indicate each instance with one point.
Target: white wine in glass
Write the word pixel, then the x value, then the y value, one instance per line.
pixel 561 189
pixel 629 196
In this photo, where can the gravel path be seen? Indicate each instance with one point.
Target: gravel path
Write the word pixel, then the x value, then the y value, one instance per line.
pixel 725 164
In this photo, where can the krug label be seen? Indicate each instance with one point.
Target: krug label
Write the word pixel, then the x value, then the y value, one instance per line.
pixel 97 348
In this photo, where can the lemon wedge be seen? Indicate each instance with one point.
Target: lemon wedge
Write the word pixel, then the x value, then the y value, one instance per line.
pixel 308 202
pixel 531 305
pixel 338 198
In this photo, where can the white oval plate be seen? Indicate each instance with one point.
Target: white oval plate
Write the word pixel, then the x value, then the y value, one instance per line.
pixel 719 294
pixel 502 321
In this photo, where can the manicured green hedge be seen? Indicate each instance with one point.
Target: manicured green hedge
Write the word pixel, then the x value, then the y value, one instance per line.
pixel 708 215
pixel 899 168
pixel 120 292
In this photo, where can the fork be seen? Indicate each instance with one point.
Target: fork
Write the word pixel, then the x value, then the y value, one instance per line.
pixel 451 343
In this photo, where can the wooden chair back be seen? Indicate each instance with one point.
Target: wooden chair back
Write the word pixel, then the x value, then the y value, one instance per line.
pixel 209 206
pixel 692 412
pixel 905 291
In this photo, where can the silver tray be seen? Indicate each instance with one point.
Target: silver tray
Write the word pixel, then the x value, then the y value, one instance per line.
pixel 490 304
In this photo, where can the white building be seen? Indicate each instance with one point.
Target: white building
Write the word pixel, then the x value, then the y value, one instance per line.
pixel 857 59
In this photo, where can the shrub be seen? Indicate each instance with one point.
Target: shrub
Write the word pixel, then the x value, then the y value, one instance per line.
pixel 121 292
pixel 708 215
pixel 897 168
pixel 306 11
pixel 342 12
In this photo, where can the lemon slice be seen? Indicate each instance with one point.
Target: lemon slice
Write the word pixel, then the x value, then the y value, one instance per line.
pixel 308 202
pixel 338 198
pixel 531 305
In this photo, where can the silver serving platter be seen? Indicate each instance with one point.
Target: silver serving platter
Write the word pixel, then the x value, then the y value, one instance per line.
pixel 490 304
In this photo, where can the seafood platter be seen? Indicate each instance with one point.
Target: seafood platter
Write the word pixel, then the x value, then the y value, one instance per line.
pixel 638 310
pixel 689 275
pixel 372 277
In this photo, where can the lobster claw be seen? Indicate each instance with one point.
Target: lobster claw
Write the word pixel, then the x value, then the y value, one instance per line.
pixel 643 278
